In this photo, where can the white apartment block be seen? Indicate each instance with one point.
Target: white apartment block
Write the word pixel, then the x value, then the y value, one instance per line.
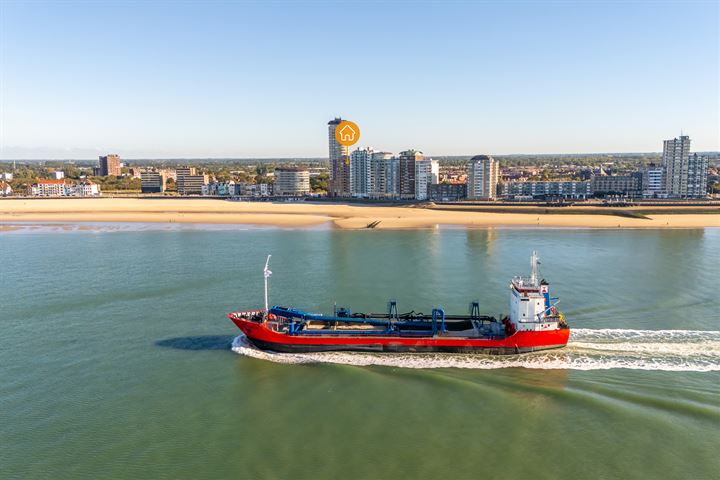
pixel 427 172
pixel 85 189
pixel 685 173
pixel 653 181
pixel 49 188
pixel 697 175
pixel 360 172
pixel 292 181
pixel 383 175
pixel 58 188
pixel 483 172
pixel 675 161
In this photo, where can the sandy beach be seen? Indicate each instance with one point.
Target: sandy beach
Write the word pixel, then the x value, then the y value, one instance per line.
pixel 212 211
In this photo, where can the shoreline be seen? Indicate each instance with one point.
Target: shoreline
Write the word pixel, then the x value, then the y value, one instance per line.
pixel 115 226
pixel 335 215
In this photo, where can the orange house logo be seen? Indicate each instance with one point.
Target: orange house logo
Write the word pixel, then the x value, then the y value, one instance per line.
pixel 347 133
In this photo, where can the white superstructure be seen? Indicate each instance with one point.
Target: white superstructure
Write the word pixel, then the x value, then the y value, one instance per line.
pixel 530 308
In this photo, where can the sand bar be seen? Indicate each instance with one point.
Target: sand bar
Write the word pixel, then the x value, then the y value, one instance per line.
pixel 304 214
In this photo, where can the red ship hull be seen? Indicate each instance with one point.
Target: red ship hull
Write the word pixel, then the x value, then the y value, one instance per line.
pixel 518 342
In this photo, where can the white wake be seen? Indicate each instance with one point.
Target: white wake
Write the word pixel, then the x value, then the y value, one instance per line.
pixel 588 349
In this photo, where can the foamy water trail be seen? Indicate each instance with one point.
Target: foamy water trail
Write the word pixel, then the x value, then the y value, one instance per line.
pixel 588 349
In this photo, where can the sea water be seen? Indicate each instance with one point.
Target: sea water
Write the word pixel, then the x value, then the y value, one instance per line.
pixel 118 361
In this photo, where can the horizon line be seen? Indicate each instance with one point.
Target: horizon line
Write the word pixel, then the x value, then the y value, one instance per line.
pixel 327 158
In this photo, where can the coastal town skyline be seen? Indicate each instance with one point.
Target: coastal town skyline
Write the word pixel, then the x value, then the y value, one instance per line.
pixel 369 174
pixel 191 88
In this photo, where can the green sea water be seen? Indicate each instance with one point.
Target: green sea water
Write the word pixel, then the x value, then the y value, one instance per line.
pixel 117 360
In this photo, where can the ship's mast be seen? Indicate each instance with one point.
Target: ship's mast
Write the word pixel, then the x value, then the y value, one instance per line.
pixel 534 268
pixel 266 275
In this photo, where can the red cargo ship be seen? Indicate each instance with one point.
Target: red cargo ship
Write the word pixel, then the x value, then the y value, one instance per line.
pixel 533 324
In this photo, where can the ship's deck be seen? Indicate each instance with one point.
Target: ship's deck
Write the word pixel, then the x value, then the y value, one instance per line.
pixel 460 328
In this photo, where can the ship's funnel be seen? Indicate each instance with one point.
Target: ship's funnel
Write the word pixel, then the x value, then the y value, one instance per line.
pixel 545 290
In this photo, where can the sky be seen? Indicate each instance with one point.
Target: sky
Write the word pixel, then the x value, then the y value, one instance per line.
pixel 170 79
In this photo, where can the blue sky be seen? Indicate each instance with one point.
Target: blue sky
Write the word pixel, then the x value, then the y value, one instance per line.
pixel 261 79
